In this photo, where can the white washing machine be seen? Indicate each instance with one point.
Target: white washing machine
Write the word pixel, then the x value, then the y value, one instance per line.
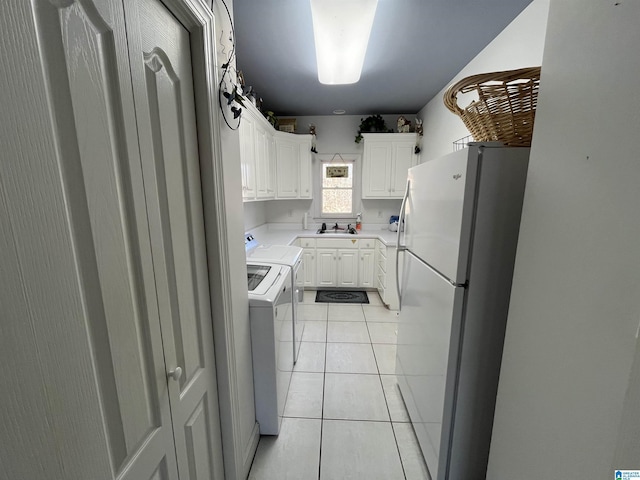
pixel 283 255
pixel 271 317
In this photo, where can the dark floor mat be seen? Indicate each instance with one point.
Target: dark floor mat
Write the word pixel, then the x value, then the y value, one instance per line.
pixel 341 296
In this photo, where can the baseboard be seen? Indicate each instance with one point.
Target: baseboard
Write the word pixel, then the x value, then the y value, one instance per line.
pixel 250 451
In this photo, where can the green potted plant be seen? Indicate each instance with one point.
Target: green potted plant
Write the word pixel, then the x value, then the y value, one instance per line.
pixel 373 123
pixel 273 120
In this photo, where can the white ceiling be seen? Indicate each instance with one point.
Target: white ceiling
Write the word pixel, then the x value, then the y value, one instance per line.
pixel 416 48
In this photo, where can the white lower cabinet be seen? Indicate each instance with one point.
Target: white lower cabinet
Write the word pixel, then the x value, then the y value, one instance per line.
pixel 309 264
pixel 385 280
pixel 349 263
pixel 341 262
pixel 337 267
pixel 326 267
pixel 367 268
pixel 347 268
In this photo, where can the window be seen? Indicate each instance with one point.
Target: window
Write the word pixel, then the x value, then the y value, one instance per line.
pixel 337 189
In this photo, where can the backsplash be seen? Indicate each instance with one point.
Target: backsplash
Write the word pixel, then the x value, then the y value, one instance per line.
pixel 292 211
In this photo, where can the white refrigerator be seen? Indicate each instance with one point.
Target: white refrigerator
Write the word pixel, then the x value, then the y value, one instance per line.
pixel 461 214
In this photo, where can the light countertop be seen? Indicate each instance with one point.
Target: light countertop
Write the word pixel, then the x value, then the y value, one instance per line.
pixel 286 233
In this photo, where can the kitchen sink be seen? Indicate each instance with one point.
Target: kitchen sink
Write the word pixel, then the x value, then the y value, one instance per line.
pixel 353 231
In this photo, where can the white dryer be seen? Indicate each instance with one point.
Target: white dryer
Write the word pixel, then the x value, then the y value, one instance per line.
pixel 283 255
pixel 271 316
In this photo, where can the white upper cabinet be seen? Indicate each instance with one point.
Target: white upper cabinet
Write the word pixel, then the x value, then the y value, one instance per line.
pixel 286 168
pixel 293 165
pixel 304 145
pixel 386 159
pixel 264 174
pixel 273 164
pixel 248 157
pixel 257 156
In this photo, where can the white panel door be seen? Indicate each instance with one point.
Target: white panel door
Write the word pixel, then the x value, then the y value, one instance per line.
pixel 326 267
pixel 163 92
pixel 84 54
pixel 348 267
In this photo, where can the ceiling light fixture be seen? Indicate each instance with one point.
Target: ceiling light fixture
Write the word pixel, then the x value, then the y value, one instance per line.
pixel 339 112
pixel 341 31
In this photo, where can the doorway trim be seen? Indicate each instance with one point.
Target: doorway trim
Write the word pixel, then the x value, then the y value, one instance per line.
pixel 199 19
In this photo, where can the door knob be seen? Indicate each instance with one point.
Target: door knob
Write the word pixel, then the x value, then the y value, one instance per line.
pixel 175 374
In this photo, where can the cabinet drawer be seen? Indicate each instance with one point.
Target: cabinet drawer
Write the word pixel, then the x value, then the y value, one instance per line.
pixel 336 243
pixel 307 242
pixel 367 242
pixel 382 263
pixel 382 249
pixel 382 277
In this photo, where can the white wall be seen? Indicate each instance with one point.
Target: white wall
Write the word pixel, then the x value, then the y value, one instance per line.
pixel 575 306
pixel 336 133
pixel 519 45
pixel 255 214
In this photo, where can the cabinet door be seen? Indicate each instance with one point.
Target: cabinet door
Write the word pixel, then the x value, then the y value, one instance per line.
pixel 261 146
pixel 376 169
pixel 287 154
pixel 348 267
pixel 326 267
pixel 305 170
pixel 247 158
pixel 403 159
pixel 309 260
pixel 271 157
pixel 367 267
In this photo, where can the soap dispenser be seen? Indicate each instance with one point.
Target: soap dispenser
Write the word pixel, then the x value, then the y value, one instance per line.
pixel 358 221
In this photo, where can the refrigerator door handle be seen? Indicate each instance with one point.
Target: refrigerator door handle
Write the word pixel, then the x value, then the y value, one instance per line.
pixel 401 218
pixel 400 247
pixel 398 280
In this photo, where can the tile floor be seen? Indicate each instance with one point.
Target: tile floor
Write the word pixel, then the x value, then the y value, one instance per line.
pixel 344 417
